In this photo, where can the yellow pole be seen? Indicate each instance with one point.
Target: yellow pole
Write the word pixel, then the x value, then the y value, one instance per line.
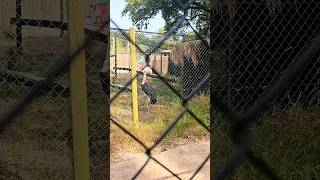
pixel 134 85
pixel 78 91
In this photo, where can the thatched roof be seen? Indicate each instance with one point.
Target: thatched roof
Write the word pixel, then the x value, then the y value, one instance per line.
pixel 194 51
pixel 272 5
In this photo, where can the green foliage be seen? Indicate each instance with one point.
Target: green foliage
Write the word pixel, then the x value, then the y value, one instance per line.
pixel 141 11
pixel 122 42
pixel 200 107
pixel 144 41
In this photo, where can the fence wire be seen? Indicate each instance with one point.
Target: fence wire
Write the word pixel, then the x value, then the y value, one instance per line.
pixel 238 91
pixel 39 141
pixel 257 66
pixel 33 64
pixel 265 62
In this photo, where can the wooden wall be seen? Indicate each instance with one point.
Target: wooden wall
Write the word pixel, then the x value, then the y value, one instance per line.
pixel 158 61
pixel 40 9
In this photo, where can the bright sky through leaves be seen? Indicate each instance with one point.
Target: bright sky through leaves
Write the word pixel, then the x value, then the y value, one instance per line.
pixel 124 22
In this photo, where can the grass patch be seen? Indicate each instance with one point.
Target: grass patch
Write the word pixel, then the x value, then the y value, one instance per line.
pixel 287 140
pixel 153 119
pixel 37 145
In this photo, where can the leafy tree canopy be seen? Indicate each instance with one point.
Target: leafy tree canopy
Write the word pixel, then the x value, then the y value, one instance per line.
pixel 141 11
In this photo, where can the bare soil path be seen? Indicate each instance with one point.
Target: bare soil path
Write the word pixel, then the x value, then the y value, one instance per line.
pixel 183 161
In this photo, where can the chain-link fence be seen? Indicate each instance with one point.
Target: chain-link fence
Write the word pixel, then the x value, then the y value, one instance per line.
pixel 264 60
pixel 264 89
pixel 157 104
pixel 39 143
pixel 98 109
pixel 265 81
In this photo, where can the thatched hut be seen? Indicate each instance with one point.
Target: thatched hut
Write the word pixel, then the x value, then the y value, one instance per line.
pixel 262 38
pixel 192 58
pixel 254 42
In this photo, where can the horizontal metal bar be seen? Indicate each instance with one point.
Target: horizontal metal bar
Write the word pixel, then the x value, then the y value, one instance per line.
pixel 119 86
pixel 150 75
pixel 58 25
pixel 29 80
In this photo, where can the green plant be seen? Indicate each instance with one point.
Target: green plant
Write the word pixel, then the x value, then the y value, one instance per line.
pixel 288 140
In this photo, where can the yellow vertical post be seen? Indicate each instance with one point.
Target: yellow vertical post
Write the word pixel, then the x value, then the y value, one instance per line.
pixel 134 85
pixel 78 91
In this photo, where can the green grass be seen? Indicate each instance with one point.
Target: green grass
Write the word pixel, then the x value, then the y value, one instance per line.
pixel 289 141
pixel 154 119
pixel 38 145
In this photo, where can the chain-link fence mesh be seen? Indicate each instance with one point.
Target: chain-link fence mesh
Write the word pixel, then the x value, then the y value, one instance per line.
pixel 168 80
pixel 263 59
pixel 157 108
pixel 98 111
pixel 257 49
pixel 39 144
pixel 258 46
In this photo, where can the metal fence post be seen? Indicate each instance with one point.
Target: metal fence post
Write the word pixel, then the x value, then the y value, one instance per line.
pixel 78 91
pixel 115 58
pixel 134 85
pixel 212 111
pixel 61 15
pixel 18 27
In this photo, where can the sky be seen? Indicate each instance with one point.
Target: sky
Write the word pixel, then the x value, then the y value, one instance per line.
pixel 116 8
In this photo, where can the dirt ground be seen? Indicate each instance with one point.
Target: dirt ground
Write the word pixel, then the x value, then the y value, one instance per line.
pixel 183 161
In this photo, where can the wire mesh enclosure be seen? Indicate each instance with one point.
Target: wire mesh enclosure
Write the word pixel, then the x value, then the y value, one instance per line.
pixel 168 77
pixel 264 85
pixel 157 103
pixel 258 45
pixel 257 70
pixel 40 143
pixel 265 81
